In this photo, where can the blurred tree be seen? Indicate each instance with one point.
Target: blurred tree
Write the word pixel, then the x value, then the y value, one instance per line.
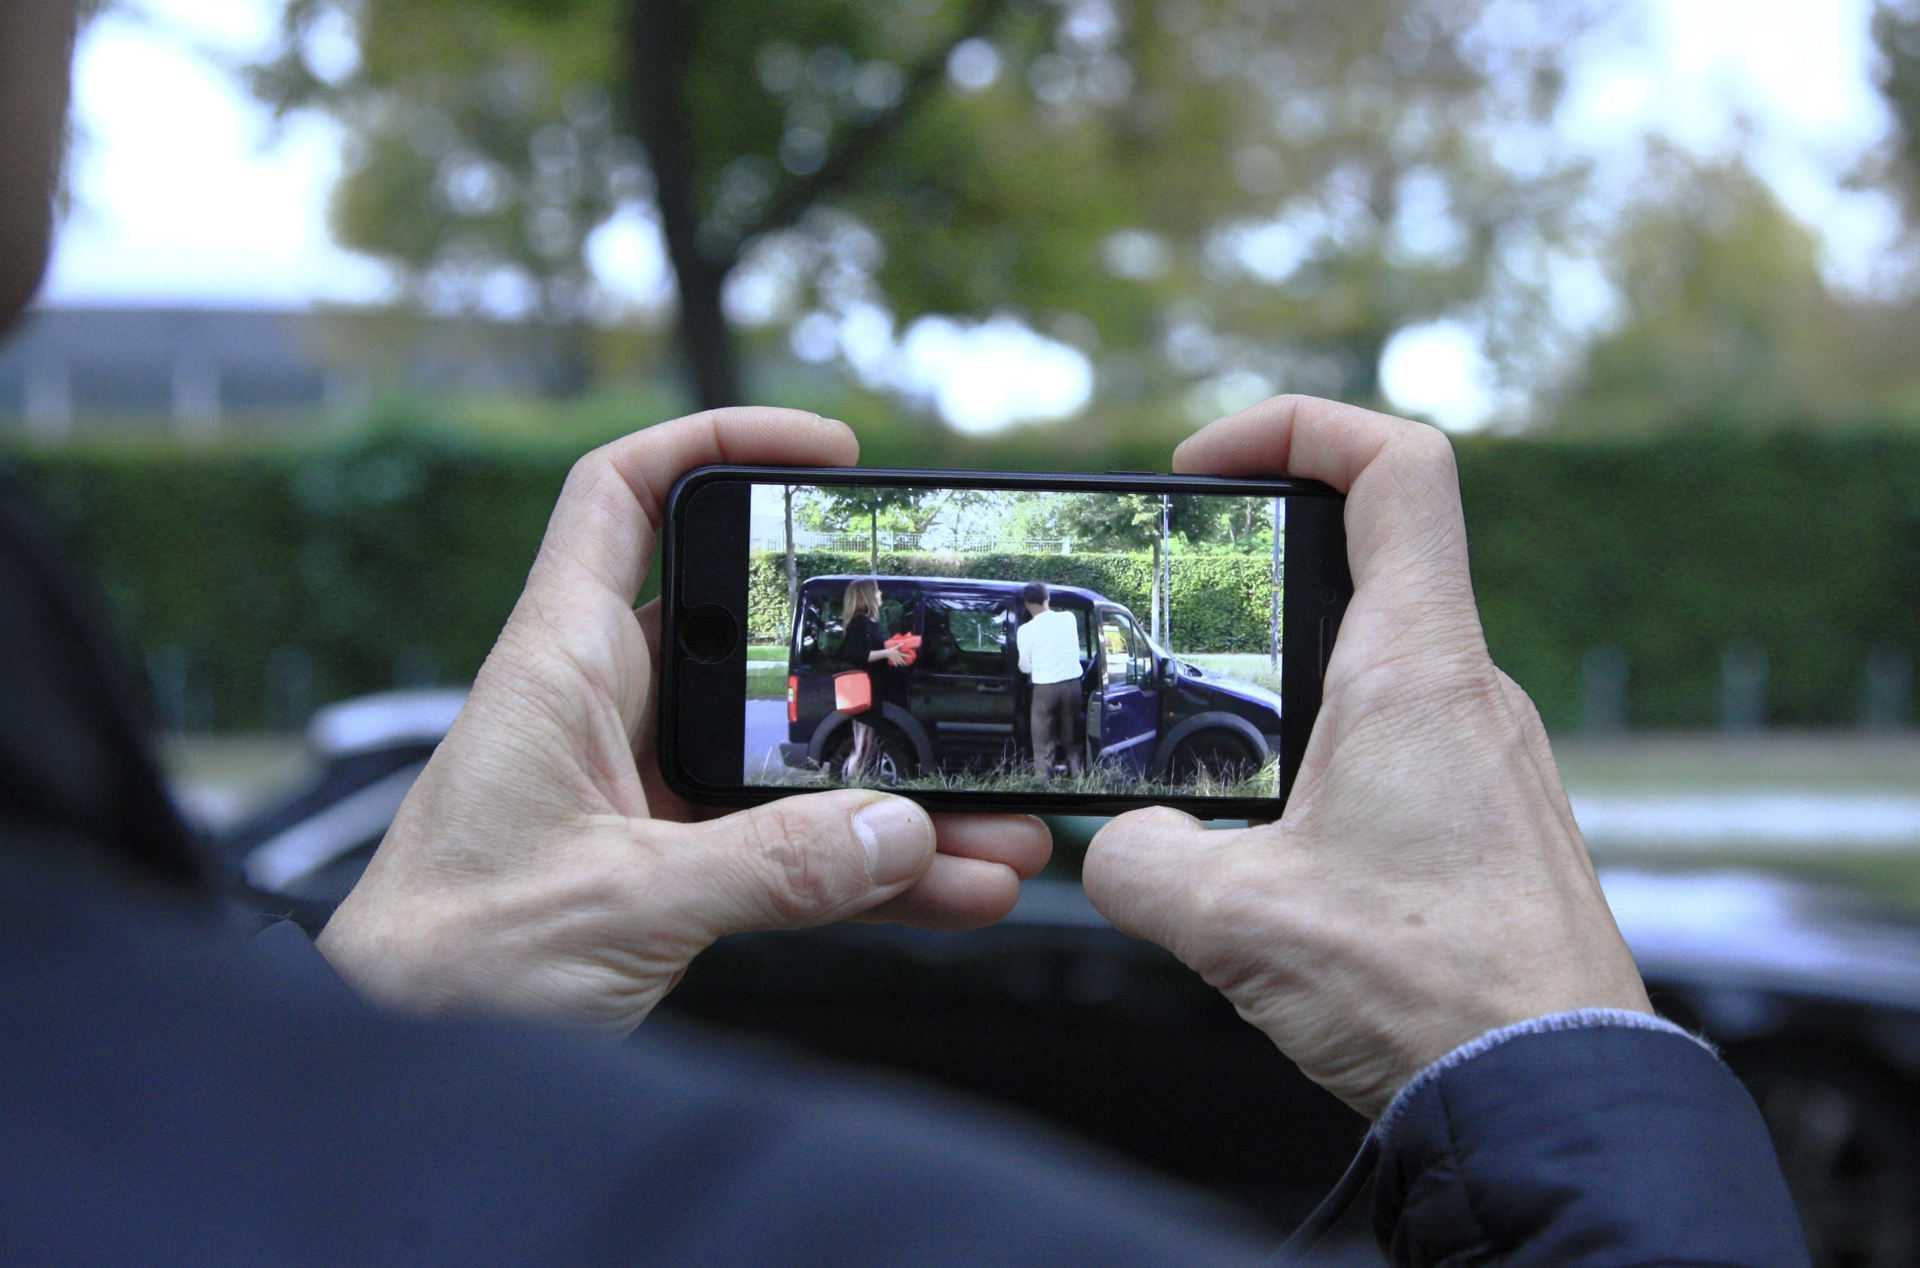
pixel 1222 196
pixel 480 153
pixel 1896 37
pixel 1726 320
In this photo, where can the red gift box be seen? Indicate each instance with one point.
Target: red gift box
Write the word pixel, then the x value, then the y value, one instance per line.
pixel 908 643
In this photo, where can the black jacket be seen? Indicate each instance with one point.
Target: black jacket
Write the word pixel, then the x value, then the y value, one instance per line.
pixel 865 637
pixel 1605 1147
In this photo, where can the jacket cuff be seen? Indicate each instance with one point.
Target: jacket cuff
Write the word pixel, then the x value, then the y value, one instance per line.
pixel 1582 1144
pixel 1579 1019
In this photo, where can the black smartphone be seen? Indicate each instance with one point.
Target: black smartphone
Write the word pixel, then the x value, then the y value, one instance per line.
pixel 992 641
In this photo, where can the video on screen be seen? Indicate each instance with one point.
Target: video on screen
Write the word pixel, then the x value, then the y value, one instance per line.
pixel 1014 641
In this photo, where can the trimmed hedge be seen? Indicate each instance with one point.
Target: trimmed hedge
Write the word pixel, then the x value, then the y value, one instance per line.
pixel 256 583
pixel 1220 603
pixel 1674 550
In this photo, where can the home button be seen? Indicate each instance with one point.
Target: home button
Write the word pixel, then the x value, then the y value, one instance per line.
pixel 709 634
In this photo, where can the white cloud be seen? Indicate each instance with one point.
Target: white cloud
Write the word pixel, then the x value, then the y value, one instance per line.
pixel 1784 84
pixel 180 197
pixel 988 376
pixel 629 258
pixel 1438 371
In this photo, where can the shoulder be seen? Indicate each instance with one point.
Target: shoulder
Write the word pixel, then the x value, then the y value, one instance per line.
pixel 523 1145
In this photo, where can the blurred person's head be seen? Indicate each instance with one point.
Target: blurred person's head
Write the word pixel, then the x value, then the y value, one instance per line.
pixel 1034 595
pixel 36 54
pixel 862 599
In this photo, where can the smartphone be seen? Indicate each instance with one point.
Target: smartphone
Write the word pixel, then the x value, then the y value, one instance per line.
pixel 992 641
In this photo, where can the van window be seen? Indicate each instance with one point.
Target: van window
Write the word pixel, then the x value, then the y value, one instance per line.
pixel 965 636
pixel 822 635
pixel 1128 661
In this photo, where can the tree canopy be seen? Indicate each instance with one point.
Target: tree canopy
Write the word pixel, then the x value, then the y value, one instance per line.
pixel 1205 196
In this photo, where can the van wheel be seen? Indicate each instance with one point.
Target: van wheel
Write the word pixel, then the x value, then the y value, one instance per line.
pixel 1216 755
pixel 894 763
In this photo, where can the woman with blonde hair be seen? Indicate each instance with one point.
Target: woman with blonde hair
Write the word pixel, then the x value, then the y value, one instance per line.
pixel 866 648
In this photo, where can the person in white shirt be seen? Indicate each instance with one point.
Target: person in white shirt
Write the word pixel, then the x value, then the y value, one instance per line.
pixel 1049 647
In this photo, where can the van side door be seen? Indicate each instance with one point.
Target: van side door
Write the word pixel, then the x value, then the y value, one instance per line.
pixel 964 681
pixel 1125 706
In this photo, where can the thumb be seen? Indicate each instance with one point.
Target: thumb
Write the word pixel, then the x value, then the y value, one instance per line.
pixel 806 860
pixel 1138 871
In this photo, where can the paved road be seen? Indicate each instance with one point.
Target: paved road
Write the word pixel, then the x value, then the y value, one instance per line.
pixel 766 729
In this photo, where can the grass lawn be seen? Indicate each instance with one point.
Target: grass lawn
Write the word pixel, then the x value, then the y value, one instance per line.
pixel 220 776
pixel 1829 764
pixel 1019 779
pixel 767 673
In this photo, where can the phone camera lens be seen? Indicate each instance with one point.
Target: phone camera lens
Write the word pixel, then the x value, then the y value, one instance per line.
pixel 709 633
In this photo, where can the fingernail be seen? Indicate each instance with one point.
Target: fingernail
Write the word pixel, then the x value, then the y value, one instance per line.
pixel 897 836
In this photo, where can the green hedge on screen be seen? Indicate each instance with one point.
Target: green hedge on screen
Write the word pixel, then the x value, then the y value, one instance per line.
pixel 253 584
pixel 1220 603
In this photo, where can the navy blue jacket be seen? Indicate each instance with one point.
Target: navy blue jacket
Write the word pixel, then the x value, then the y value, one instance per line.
pixel 175 1093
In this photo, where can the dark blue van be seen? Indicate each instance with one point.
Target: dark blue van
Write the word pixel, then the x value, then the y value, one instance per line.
pixel 968 705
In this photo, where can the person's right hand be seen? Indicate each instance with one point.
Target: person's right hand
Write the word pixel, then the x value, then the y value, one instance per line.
pixel 895 656
pixel 1427 883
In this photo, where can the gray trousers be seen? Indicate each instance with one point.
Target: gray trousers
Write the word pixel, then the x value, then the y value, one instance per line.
pixel 1056 708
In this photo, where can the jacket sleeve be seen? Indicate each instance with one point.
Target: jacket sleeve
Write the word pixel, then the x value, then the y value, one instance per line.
pixel 1605 1146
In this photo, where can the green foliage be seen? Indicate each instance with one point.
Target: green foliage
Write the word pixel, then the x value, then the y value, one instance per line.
pixel 393 551
pixel 1100 177
pixel 1672 550
pixel 1727 316
pixel 1220 602
pixel 412 545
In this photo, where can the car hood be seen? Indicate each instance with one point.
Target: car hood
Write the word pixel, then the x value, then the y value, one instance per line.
pixel 1730 930
pixel 1248 691
pixel 1762 931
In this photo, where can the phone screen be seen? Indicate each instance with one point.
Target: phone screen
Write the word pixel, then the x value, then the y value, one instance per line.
pixel 1015 641
pixel 984 640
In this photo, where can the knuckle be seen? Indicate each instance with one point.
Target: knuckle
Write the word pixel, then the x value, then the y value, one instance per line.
pixel 795 863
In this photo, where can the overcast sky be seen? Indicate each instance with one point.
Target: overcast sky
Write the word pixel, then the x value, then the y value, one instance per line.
pixel 185 195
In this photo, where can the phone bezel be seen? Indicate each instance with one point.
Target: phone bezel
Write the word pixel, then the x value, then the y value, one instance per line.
pixel 1309 625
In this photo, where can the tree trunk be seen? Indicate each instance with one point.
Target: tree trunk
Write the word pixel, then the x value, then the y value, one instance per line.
pixel 1155 614
pixel 658 48
pixel 793 572
pixel 873 543
pixel 1273 633
pixel 1166 588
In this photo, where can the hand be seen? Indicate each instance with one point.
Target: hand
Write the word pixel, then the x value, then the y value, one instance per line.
pixel 894 656
pixel 1427 883
pixel 541 867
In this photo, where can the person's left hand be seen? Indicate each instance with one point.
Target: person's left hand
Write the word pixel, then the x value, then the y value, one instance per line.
pixel 541 867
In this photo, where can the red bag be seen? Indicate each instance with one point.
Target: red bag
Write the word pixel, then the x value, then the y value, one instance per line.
pixel 853 691
pixel 908 643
